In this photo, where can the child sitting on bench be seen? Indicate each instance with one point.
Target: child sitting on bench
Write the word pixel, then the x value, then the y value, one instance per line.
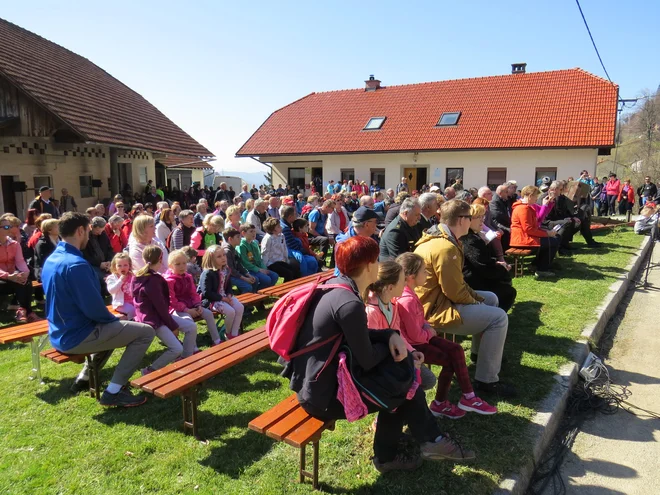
pixel 119 285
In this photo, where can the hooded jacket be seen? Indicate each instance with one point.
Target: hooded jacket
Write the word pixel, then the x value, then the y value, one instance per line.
pixel 414 327
pixel 525 231
pixel 183 293
pixel 377 319
pixel 444 286
pixel 151 298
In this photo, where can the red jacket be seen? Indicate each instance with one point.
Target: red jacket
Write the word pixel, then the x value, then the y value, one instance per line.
pixel 127 227
pixel 525 230
pixel 118 242
pixel 631 194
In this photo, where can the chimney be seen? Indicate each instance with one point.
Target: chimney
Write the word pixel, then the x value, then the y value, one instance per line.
pixel 372 84
pixel 518 68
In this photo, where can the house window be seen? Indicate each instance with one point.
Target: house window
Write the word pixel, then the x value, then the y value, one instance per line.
pixel 550 172
pixel 41 181
pixel 297 178
pixel 378 176
pixel 347 174
pixel 449 118
pixel 495 177
pixel 86 189
pixel 143 175
pixel 452 175
pixel 374 123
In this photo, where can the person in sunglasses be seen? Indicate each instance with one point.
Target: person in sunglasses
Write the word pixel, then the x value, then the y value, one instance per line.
pixel 15 274
pixel 451 305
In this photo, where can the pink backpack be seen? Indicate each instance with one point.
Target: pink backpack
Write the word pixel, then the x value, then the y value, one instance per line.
pixel 287 316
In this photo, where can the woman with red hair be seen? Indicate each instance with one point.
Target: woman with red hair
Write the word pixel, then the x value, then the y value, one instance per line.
pixel 313 374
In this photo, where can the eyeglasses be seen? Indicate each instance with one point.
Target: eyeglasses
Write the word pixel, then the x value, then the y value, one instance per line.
pixel 5 227
pixel 469 217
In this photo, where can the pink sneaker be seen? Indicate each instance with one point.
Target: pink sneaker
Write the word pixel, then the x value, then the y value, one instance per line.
pixel 477 405
pixel 446 409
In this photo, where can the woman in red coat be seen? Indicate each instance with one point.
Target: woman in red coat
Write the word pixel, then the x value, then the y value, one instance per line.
pixel 626 197
pixel 525 232
pixel 118 239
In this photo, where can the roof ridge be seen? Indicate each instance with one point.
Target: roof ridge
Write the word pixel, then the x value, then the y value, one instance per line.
pixel 595 76
pixel 294 102
pixel 497 76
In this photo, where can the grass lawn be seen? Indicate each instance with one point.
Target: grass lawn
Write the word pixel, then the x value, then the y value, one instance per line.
pixel 57 443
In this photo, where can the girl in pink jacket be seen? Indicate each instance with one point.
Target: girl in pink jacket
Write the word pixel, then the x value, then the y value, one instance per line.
pixel 612 188
pixel 450 355
pixel 185 302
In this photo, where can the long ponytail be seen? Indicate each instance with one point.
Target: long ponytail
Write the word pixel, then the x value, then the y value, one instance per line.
pixel 151 255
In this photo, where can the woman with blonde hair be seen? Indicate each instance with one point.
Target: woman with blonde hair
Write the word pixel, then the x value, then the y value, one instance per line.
pixel 209 234
pixel 143 235
pixel 50 236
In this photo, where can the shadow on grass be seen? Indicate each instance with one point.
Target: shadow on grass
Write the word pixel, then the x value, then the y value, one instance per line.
pixel 243 451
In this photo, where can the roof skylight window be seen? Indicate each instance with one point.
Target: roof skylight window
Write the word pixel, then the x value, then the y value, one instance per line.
pixel 449 118
pixel 375 123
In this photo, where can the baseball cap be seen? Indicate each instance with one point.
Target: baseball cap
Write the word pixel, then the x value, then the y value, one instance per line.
pixel 434 189
pixel 364 214
pixel 45 188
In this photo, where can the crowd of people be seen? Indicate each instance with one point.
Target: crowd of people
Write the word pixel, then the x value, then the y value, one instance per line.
pixel 417 263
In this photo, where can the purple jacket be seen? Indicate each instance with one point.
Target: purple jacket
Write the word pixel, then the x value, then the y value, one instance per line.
pixel 151 297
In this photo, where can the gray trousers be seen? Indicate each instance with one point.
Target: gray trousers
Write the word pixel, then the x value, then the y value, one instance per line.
pixel 488 325
pixel 106 337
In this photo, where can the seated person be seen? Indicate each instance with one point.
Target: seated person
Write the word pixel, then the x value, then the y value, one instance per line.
pixel 79 321
pixel 645 224
pixel 99 252
pixel 525 232
pixel 481 270
pixel 249 254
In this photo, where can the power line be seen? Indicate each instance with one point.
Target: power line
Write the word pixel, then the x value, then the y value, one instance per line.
pixel 592 40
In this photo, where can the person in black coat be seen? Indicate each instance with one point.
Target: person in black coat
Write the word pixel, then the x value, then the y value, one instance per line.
pixel 99 252
pixel 393 211
pixel 402 234
pixel 481 269
pixel 43 203
pixel 500 215
pixel 45 245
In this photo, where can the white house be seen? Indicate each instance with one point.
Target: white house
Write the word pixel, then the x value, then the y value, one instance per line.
pixel 66 123
pixel 487 130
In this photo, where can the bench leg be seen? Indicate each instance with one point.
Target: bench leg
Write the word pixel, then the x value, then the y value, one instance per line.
pixel 314 475
pixel 190 400
pixel 94 381
pixel 36 363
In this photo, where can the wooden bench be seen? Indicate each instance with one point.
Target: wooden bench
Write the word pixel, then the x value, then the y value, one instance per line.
pixel 518 255
pixel 280 290
pixel 60 358
pixel 288 422
pixel 183 377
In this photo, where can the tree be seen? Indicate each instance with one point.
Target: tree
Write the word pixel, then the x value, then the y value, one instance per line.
pixel 269 176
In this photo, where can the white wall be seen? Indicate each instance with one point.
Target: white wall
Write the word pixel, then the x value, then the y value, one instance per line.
pixel 521 165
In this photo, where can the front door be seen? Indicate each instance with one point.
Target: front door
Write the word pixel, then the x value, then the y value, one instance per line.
pixel 411 175
pixel 8 194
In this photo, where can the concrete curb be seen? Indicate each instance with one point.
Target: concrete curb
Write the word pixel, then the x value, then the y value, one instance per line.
pixel 551 409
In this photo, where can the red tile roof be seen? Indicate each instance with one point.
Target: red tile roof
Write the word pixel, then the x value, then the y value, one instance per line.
pixel 557 109
pixel 183 162
pixel 94 104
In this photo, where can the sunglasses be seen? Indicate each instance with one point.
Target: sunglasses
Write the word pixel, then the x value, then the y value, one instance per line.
pixel 5 227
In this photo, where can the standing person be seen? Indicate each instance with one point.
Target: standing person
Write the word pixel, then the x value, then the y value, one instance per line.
pixel 15 274
pixel 80 323
pixel 249 254
pixel 112 209
pixel 202 209
pixel 647 191
pixel 185 302
pixel 119 285
pixel 403 185
pixel 254 192
pixel 274 252
pixel 215 289
pixel 626 198
pixel 342 312
pixel 612 189
pixel 437 350
pixel 222 194
pixel 245 195
pixel 449 302
pixel 525 232
pixel 595 194
pixel 152 296
pixel 43 204
pixel 67 202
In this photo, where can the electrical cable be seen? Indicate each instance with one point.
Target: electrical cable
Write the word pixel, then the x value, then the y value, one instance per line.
pixel 595 394
pixel 592 40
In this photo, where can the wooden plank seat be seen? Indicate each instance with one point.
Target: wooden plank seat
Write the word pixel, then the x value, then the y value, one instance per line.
pixel 185 376
pixel 280 290
pixel 289 423
pixel 61 358
pixel 36 284
pixel 518 255
pixel 252 299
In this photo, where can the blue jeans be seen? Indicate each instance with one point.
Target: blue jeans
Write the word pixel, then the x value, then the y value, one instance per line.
pixel 244 286
pixel 264 280
pixel 308 264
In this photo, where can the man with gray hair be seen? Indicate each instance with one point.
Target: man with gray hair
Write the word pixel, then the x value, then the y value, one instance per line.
pixel 367 201
pixel 500 214
pixel 450 193
pixel 429 204
pixel 401 235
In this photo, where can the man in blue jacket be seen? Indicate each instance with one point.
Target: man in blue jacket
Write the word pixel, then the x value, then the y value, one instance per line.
pixel 79 321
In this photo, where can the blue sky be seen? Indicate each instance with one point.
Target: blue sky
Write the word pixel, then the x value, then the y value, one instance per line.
pixel 218 69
